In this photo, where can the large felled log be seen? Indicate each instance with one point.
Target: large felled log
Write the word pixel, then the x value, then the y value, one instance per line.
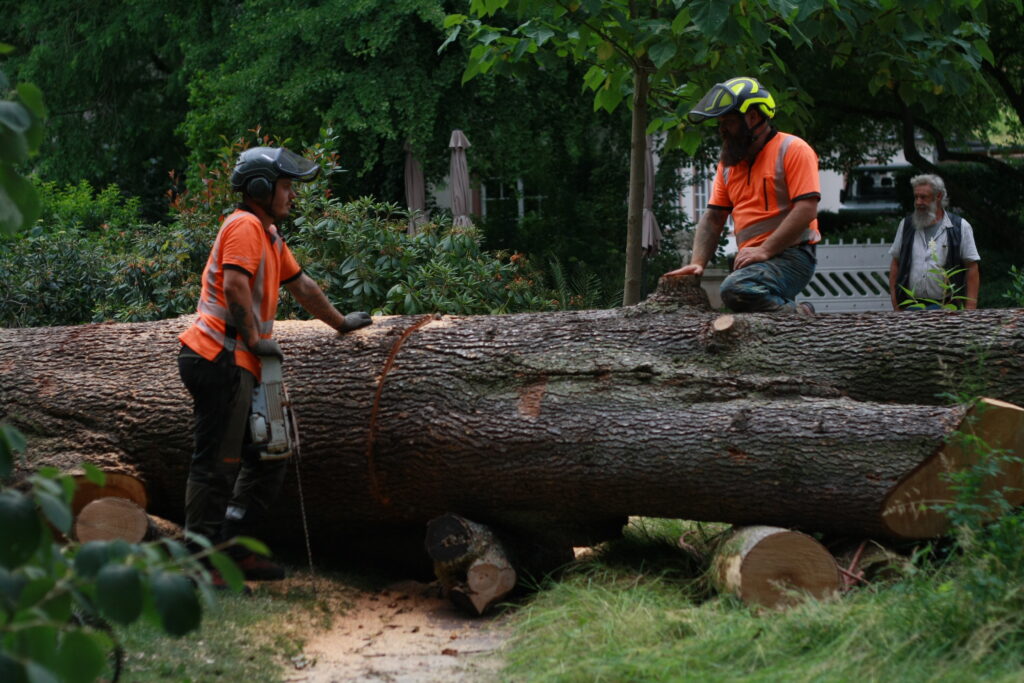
pixel 575 417
pixel 773 567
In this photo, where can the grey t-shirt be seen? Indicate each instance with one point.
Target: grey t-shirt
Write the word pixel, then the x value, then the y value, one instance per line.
pixel 929 256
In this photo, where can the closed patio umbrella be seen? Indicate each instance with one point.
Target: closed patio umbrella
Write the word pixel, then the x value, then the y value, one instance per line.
pixel 651 238
pixel 415 194
pixel 459 178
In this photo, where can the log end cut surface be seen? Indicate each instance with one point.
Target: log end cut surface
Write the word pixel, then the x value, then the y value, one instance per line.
pixel 916 508
pixel 765 565
pixel 108 519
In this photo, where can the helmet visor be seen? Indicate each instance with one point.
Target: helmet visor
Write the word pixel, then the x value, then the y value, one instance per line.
pixel 717 101
pixel 292 165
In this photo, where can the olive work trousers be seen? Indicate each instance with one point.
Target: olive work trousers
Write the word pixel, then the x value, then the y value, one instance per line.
pixel 230 489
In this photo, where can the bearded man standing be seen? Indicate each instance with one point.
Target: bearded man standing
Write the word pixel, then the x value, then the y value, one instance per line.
pixel 768 182
pixel 934 259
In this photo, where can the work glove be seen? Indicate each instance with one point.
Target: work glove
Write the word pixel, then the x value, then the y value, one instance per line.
pixel 267 347
pixel 353 321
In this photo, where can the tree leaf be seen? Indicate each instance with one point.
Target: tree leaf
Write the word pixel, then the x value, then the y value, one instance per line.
pixel 229 571
pixel 709 15
pixel 119 593
pixel 19 203
pixel 20 529
pixel 15 116
pixel 175 599
pixel 661 53
pixel 90 558
pixel 56 510
pixel 80 657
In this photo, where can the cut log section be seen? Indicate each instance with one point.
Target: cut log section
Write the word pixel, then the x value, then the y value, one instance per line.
pixel 772 567
pixel 991 430
pixel 112 518
pixel 116 484
pixel 470 562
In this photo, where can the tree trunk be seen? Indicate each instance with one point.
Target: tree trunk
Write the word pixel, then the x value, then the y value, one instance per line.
pixel 567 420
pixel 634 219
pixel 773 567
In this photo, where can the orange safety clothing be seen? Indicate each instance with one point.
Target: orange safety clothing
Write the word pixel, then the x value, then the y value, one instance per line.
pixel 761 195
pixel 241 244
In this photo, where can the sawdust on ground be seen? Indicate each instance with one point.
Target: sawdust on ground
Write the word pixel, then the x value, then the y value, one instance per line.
pixel 407 632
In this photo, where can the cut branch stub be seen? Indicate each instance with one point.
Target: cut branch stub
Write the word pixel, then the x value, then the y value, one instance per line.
pixel 991 429
pixel 771 567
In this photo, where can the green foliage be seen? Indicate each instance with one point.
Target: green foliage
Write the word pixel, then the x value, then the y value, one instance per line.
pixel 1014 294
pixel 56 597
pixel 952 299
pixel 80 207
pixel 21 132
pixel 364 259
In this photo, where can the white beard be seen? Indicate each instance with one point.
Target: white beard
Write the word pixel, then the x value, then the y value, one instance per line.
pixel 925 218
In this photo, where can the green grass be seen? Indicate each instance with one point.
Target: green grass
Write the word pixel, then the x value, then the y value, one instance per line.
pixel 242 638
pixel 615 620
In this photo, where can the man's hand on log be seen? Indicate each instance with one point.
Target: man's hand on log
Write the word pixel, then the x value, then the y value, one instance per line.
pixel 692 269
pixel 353 321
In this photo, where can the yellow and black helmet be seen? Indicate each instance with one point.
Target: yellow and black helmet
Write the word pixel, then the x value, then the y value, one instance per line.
pixel 736 94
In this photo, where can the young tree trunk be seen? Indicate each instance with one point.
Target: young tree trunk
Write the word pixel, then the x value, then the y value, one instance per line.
pixel 634 219
pixel 567 421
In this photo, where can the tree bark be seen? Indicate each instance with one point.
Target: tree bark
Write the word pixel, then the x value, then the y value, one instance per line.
pixel 561 421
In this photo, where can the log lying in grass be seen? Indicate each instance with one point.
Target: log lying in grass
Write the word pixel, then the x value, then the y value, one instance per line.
pixel 773 567
pixel 470 562
pixel 572 418
pixel 111 518
pixel 116 484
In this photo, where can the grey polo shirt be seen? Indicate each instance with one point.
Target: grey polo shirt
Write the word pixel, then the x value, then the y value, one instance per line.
pixel 929 255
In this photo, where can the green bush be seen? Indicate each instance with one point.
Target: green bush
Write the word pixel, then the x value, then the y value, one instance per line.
pixel 81 207
pixel 362 256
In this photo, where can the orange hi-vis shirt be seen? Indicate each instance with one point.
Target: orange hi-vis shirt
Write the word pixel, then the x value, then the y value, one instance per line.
pixel 760 196
pixel 244 245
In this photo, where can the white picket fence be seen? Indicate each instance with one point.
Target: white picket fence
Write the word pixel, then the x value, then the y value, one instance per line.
pixel 850 277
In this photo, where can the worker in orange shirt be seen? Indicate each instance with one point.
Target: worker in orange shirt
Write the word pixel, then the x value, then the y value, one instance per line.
pixel 768 181
pixel 230 489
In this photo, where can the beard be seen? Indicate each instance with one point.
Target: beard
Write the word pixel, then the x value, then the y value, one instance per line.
pixel 925 218
pixel 735 148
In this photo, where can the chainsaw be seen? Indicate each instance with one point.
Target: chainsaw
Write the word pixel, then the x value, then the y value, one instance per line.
pixel 271 423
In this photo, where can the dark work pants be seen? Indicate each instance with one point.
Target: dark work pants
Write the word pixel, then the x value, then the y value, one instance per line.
pixel 770 285
pixel 229 489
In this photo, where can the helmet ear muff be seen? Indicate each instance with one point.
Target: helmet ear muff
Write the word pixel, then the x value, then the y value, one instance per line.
pixel 259 188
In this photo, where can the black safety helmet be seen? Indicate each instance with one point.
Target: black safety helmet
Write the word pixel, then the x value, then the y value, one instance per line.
pixel 259 168
pixel 736 94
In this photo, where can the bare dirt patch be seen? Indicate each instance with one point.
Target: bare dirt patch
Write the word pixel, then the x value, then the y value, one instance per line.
pixel 407 632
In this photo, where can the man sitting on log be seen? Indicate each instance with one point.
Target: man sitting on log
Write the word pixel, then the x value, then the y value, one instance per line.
pixel 768 181
pixel 229 487
pixel 934 259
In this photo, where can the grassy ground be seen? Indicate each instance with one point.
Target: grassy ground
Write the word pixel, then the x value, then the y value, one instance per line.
pixel 640 609
pixel 650 619
pixel 242 637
